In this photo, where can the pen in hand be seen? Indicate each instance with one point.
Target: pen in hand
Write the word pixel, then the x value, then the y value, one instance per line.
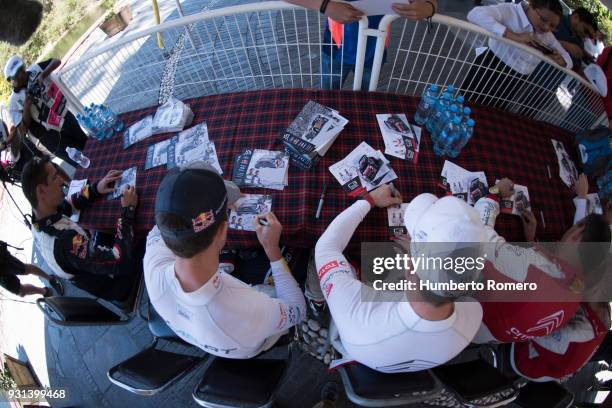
pixel 321 201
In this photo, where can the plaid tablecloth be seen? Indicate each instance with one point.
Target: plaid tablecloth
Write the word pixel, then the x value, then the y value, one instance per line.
pixel 504 145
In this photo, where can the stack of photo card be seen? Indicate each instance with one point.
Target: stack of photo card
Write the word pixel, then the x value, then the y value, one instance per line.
pixel 127 179
pixel 157 154
pixel 242 217
pixel 469 186
pixel 362 170
pixel 138 131
pixel 193 145
pixel 172 116
pixel 401 138
pixel 262 168
pixel 395 216
pixel 517 203
pixel 312 133
pixel 567 168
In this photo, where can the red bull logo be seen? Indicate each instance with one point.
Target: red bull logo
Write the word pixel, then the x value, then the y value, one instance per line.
pixel 203 221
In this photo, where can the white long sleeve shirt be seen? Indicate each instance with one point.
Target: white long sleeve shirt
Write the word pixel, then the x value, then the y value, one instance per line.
pixel 386 336
pixel 508 322
pixel 501 17
pixel 225 317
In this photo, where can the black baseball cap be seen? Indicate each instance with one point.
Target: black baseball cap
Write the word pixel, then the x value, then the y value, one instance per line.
pixel 198 195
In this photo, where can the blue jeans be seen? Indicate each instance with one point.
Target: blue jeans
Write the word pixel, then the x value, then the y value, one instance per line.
pixel 330 76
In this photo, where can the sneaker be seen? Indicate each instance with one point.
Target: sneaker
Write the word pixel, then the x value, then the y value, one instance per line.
pixel 57 285
pixel 318 311
pixel 329 392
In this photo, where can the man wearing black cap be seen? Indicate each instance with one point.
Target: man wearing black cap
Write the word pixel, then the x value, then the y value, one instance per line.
pixel 203 304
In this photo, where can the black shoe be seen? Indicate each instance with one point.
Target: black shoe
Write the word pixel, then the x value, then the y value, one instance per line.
pixel 329 392
pixel 57 285
pixel 319 312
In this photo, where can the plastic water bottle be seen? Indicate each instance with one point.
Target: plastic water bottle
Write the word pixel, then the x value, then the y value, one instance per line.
pixel 445 119
pixel 449 137
pixel 426 105
pixel 443 103
pixel 450 89
pixel 467 131
pixel 78 157
pixel 460 100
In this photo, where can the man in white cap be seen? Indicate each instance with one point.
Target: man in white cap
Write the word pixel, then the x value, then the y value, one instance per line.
pixel 423 330
pixel 37 105
pixel 188 287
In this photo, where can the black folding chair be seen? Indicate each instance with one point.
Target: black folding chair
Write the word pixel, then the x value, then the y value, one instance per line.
pixel 248 383
pixel 546 394
pixel 83 311
pixel 370 388
pixel 476 384
pixel 152 370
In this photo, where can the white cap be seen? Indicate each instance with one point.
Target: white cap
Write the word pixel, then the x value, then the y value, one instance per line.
pixel 597 78
pixel 12 66
pixel 444 227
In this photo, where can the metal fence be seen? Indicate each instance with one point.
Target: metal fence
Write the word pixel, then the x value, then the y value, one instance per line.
pixel 276 45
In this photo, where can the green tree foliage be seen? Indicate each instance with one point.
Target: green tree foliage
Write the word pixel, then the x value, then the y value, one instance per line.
pixel 601 12
pixel 59 17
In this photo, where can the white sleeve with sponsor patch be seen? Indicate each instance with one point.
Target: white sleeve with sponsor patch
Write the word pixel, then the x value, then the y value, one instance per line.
pixel 224 317
pixel 511 260
pixel 386 336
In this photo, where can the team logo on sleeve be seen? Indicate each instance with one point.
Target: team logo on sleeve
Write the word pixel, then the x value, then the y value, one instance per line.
pixel 327 267
pixel 85 191
pixel 203 221
pixel 328 288
pixel 79 246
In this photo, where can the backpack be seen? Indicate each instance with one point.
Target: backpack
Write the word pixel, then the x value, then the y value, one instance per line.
pixel 594 151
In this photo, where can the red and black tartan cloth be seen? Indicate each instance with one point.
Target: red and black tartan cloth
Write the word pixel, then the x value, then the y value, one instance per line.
pixel 503 145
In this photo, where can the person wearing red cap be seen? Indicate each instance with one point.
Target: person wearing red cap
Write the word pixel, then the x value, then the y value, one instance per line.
pixel 198 299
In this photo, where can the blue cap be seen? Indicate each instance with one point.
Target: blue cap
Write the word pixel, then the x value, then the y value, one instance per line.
pixel 450 88
pixel 460 99
pixel 454 108
pixel 446 96
pixel 467 111
pixel 471 123
pixel 434 88
pixel 457 120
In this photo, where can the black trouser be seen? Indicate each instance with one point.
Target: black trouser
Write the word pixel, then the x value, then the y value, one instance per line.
pixel 118 287
pixel 491 82
pixel 71 135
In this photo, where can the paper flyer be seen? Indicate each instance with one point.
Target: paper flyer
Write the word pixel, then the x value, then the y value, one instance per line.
pixel 402 139
pixel 242 218
pixel 395 218
pixel 362 170
pixel 157 154
pixel 469 186
pixel 567 168
pixel 261 168
pixel 138 131
pixel 127 179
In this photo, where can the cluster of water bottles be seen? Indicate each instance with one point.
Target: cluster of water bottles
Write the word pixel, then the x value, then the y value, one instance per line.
pixel 446 118
pixel 100 122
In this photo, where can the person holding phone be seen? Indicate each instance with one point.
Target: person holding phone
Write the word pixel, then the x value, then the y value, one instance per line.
pixel 499 69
